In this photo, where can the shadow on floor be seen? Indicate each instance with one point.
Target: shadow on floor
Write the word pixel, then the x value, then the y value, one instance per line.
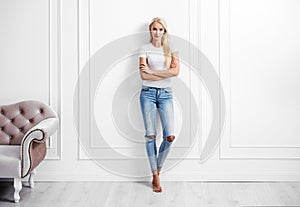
pixel 6 190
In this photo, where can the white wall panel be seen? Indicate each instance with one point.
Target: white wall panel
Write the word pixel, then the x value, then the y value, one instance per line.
pixel 24 50
pixel 95 31
pixel 260 40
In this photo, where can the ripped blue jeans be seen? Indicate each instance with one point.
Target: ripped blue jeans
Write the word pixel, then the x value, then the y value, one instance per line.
pixel 161 100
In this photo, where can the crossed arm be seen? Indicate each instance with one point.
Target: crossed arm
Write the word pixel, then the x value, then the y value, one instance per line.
pixel 148 74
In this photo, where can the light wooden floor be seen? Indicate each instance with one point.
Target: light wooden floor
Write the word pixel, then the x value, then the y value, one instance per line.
pixel 139 194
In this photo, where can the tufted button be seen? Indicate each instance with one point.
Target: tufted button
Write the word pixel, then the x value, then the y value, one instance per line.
pixel 21 111
pixel 12 120
pixel 1 128
pixel 30 120
pixel 41 110
pixel 2 112
pixel 10 137
pixel 20 129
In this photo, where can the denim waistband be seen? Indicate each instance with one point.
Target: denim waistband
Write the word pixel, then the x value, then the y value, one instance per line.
pixel 167 88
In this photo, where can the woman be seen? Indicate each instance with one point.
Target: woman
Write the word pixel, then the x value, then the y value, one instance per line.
pixel 158 64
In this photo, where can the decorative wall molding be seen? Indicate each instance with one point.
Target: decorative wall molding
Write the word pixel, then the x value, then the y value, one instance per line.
pixel 228 150
pixel 54 142
pixel 84 42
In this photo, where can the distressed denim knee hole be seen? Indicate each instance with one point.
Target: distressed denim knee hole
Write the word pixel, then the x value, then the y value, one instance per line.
pixel 150 136
pixel 170 138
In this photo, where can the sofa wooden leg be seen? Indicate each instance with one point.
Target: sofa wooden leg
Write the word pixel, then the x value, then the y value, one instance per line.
pixel 18 187
pixel 31 176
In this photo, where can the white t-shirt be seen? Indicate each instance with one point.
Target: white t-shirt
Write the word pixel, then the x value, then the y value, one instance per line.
pixel 156 61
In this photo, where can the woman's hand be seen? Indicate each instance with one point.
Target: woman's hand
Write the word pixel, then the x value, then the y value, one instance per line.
pixel 173 64
pixel 146 69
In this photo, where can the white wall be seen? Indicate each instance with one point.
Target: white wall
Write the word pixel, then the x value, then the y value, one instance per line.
pixel 252 45
pixel 24 50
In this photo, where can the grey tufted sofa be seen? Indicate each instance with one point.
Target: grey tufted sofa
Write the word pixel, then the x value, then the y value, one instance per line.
pixel 24 128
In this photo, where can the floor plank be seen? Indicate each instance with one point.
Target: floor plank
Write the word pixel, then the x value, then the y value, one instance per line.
pixel 137 194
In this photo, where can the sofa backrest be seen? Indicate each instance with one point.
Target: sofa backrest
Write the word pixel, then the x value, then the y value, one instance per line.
pixel 16 119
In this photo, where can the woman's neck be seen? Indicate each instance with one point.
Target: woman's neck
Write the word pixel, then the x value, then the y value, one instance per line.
pixel 156 43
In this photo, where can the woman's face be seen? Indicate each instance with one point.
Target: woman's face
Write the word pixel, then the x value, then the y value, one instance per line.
pixel 157 31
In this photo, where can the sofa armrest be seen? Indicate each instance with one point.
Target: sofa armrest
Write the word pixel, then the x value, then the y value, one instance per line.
pixel 33 146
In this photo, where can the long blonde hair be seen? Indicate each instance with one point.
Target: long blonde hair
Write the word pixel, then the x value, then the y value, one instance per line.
pixel 165 39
